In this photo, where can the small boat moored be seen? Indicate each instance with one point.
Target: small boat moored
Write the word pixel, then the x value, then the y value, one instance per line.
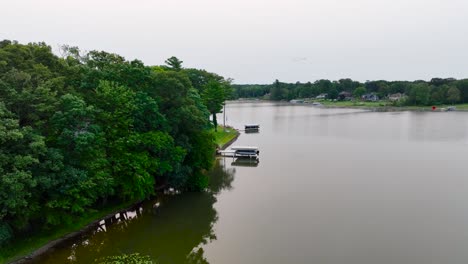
pixel 451 108
pixel 246 152
pixel 252 128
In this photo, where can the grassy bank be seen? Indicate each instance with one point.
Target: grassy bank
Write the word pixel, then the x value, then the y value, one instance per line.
pixel 26 245
pixel 224 136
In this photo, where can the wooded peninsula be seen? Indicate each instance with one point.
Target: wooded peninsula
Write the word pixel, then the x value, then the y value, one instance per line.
pixel 81 131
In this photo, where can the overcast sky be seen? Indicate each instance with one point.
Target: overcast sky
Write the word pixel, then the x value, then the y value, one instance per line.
pixel 258 41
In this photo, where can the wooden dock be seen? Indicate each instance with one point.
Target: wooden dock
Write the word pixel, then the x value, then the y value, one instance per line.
pixel 236 154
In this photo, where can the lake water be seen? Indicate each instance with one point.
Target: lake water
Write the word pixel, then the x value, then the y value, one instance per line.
pixel 338 186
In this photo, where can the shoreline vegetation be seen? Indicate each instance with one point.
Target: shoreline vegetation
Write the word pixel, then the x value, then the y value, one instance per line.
pixel 388 106
pixel 38 244
pixel 83 134
pixel 375 106
pixel 411 95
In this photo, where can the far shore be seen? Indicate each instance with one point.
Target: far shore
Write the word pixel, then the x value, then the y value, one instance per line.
pixel 378 106
pixel 398 108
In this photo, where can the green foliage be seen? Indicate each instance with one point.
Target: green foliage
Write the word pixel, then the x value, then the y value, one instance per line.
pixel 74 174
pixel 6 233
pixel 360 91
pixel 308 90
pixel 419 92
pixel 453 95
pixel 333 93
pixel 19 154
pixel 134 258
pixel 142 157
pixel 198 182
pixel 83 129
pixel 462 86
pixel 250 91
pixel 214 97
pixel 174 63
pixel 200 78
pixel 277 92
pixel 438 94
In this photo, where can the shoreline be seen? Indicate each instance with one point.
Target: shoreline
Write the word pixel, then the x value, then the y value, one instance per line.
pixel 395 108
pixel 63 239
pixel 90 226
pixel 365 106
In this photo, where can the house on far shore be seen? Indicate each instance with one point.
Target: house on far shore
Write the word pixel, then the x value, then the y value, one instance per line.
pixel 396 97
pixel 344 96
pixel 370 97
pixel 322 96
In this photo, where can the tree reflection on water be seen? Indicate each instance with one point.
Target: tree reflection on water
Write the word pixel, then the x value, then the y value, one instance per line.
pixel 221 177
pixel 170 229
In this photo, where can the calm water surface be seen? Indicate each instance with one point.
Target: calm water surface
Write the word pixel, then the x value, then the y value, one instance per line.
pixel 332 186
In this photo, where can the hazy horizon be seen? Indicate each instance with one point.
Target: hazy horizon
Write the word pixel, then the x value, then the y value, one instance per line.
pixel 256 42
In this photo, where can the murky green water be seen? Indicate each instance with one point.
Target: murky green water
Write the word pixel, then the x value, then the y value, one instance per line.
pixel 332 186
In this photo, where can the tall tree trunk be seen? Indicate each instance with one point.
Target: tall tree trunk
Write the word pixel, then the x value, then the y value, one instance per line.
pixel 215 122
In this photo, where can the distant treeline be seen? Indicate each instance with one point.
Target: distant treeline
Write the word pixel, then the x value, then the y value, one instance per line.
pixel 436 91
pixel 79 130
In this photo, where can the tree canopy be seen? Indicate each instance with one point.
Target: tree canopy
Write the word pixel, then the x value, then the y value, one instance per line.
pixel 79 130
pixel 174 63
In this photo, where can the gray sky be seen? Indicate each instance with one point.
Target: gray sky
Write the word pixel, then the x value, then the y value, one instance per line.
pixel 258 41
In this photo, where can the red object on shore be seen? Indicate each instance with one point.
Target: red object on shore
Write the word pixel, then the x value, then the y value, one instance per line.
pixel 433 108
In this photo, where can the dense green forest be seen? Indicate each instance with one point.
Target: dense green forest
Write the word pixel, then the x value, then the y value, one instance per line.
pixel 82 129
pixel 436 91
